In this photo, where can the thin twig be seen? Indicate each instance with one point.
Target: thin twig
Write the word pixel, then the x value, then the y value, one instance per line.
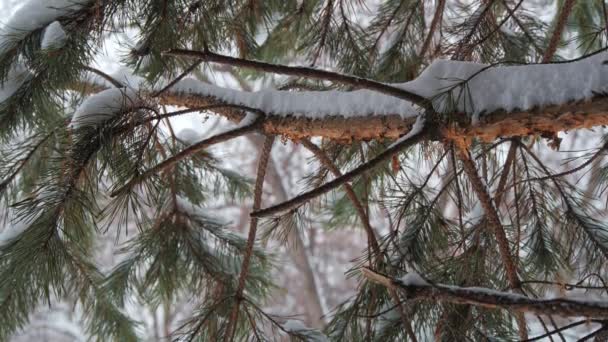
pixel 491 299
pixel 373 163
pixel 187 152
pixel 307 72
pixel 559 29
pixel 257 202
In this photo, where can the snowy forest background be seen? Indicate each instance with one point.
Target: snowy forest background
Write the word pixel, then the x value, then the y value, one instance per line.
pixel 311 276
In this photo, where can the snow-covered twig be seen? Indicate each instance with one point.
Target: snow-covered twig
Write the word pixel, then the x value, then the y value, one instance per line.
pixel 416 288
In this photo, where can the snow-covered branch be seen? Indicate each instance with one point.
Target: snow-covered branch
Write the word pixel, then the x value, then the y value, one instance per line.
pixel 414 287
pixel 498 101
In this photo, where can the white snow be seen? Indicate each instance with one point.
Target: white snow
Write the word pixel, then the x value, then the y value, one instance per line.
pixel 188 136
pixel 33 15
pixel 12 231
pixel 511 87
pixel 294 325
pixel 488 89
pixel 16 77
pixel 310 104
pixel 99 108
pixel 413 279
pixel 508 88
pixel 54 36
pixel 298 327
pixel 416 128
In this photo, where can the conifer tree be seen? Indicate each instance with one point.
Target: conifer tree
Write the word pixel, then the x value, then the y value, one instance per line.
pixel 435 127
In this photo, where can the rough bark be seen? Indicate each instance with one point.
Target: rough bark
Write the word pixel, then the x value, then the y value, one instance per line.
pixel 545 121
pixel 493 299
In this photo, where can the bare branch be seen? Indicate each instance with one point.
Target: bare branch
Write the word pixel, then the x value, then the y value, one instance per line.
pixel 373 163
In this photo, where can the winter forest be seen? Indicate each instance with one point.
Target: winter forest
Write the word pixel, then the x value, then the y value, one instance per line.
pixel 303 170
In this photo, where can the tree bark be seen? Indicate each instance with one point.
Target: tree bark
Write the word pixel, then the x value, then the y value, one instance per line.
pixel 493 299
pixel 545 121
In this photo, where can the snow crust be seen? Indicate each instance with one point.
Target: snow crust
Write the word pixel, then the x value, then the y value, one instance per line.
pixel 413 279
pixel 54 36
pixel 465 87
pixel 510 88
pixel 310 104
pixel 454 86
pixel 34 15
pixel 99 108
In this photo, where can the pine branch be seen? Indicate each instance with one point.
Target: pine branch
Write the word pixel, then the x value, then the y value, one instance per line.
pixel 368 166
pixel 583 165
pixel 491 298
pixel 522 27
pixel 325 161
pixel 559 29
pixel 464 47
pixel 257 202
pixel 328 11
pixel 570 209
pixel 186 153
pixel 437 17
pixel 371 237
pixel 501 238
pixel 493 219
pixel 306 72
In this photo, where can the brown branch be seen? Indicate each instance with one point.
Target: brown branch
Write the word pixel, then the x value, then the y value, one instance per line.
pixel 370 165
pixel 300 71
pixel 559 29
pixel 187 152
pixel 257 202
pixel 352 196
pixel 493 219
pixel 538 121
pixel 492 299
pixel 434 23
pixel 502 182
pixel 105 76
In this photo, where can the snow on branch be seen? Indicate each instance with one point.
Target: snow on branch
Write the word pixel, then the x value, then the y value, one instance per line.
pixel 414 287
pixel 34 15
pixel 500 101
pixel 104 106
pixel 453 86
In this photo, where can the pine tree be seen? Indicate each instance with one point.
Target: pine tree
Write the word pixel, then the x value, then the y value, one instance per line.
pixel 433 126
